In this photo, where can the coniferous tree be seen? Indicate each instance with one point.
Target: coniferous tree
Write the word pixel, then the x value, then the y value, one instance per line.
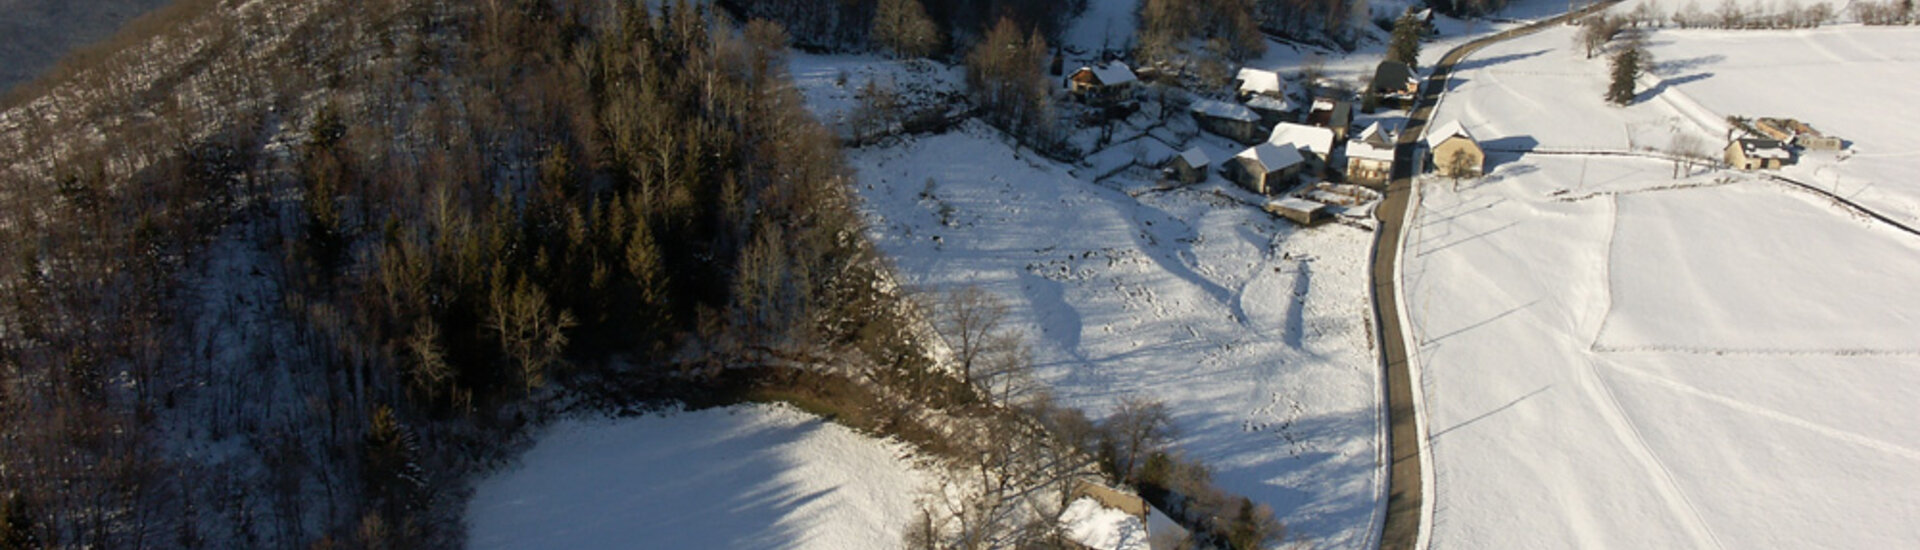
pixel 1405 45
pixel 1627 64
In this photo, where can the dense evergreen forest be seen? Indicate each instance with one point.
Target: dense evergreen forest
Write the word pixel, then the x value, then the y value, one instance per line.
pixel 280 275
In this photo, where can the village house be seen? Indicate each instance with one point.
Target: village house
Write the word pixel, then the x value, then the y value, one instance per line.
pixel 1102 84
pixel 1190 166
pixel 1265 168
pixel 1255 82
pixel 1453 152
pixel 1332 114
pixel 1394 79
pixel 1370 156
pixel 1233 120
pixel 1313 142
pixel 1101 518
pixel 1299 210
pixel 1758 154
pixel 1272 110
pixel 1798 134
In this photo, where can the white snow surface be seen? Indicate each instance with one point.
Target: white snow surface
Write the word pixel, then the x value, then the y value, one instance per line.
pixel 1615 358
pixel 750 476
pixel 1255 333
pixel 1098 527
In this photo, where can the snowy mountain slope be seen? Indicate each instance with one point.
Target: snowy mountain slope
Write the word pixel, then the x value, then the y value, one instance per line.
pixel 36 33
pixel 1615 358
pixel 1252 331
pixel 751 476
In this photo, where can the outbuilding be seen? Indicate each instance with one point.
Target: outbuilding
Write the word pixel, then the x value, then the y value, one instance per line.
pixel 1301 211
pixel 1332 114
pixel 1394 79
pixel 1190 166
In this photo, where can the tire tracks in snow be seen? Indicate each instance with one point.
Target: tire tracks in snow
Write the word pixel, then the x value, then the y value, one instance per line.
pixel 1616 418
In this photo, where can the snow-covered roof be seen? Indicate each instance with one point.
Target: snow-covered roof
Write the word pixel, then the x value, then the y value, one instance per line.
pixel 1764 149
pixel 1378 134
pixel 1273 156
pixel 1195 157
pixel 1366 150
pixel 1312 139
pixel 1112 73
pixel 1322 104
pixel 1256 81
pixel 1296 204
pixel 1268 103
pixel 1440 134
pixel 1102 528
pixel 1222 109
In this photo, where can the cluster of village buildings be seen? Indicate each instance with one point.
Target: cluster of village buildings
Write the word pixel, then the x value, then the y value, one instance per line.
pixel 1769 143
pixel 1288 145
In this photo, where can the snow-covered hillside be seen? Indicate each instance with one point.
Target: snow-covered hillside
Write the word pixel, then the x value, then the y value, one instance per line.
pixel 36 33
pixel 1615 358
pixel 751 476
pixel 1252 331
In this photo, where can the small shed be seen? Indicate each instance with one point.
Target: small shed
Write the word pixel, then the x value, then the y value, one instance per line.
pixel 1232 120
pixel 1103 83
pixel 1798 134
pixel 1370 156
pixel 1454 152
pixel 1301 211
pixel 1332 114
pixel 1265 168
pixel 1190 166
pixel 1393 78
pixel 1758 154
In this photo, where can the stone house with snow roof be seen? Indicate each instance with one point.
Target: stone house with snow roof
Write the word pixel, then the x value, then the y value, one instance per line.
pixel 1370 156
pixel 1102 84
pixel 1227 118
pixel 1758 154
pixel 1315 143
pixel 1453 151
pixel 1266 168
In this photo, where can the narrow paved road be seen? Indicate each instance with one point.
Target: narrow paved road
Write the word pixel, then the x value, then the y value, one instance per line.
pixel 1401 529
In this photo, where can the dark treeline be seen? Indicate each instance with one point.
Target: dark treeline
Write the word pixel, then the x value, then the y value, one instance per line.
pixel 849 24
pixel 446 209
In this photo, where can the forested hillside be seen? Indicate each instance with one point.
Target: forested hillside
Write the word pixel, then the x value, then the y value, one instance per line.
pixel 280 274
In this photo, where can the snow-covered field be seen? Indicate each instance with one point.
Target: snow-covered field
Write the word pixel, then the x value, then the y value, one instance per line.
pixel 752 476
pixel 1851 81
pixel 1615 358
pixel 1253 332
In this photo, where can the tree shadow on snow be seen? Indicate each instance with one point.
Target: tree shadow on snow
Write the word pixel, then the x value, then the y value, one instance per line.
pixel 1668 83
